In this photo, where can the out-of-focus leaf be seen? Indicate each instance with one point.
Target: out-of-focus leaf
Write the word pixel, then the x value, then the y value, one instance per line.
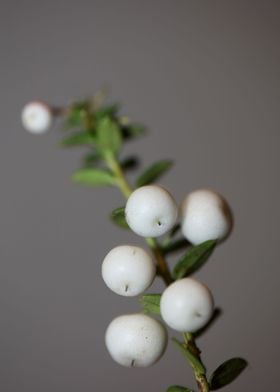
pixel 78 139
pixel 118 217
pixel 107 111
pixel 153 172
pixel 151 303
pixel 77 113
pixel 93 177
pixel 227 372
pixel 108 136
pixel 194 259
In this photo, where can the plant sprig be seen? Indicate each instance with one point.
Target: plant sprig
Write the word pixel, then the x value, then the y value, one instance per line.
pixel 102 131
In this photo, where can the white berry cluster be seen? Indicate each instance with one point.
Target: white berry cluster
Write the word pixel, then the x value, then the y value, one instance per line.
pixel 186 305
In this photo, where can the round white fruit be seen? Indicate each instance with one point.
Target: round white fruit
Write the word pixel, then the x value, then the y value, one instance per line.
pixel 151 211
pixel 128 270
pixel 186 305
pixel 36 117
pixel 205 216
pixel 135 340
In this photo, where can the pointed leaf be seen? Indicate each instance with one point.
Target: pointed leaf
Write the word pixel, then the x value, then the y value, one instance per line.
pixel 151 303
pixel 153 172
pixel 107 111
pixel 227 372
pixel 93 177
pixel 177 388
pixel 108 135
pixel 118 217
pixel 78 139
pixel 191 358
pixel 194 259
pixel 77 114
pixel 175 245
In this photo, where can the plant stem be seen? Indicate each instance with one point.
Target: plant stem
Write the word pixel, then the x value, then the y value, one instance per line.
pixel 126 190
pixel 200 377
pixel 163 269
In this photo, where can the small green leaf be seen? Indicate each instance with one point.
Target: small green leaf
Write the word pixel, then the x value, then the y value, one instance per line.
pixel 191 358
pixel 151 303
pixel 118 217
pixel 108 136
pixel 175 245
pixel 78 139
pixel 93 177
pixel 177 388
pixel 227 372
pixel 194 259
pixel 77 114
pixel 153 172
pixel 107 111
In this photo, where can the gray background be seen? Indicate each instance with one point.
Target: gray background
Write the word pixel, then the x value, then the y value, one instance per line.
pixel 204 76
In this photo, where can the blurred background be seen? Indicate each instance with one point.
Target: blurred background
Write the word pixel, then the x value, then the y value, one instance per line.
pixel 204 78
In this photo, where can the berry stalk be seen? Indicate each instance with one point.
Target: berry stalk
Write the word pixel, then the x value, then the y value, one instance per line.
pixel 163 270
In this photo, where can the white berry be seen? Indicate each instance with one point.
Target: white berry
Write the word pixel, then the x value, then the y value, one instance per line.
pixel 186 305
pixel 205 216
pixel 128 270
pixel 151 211
pixel 135 340
pixel 36 117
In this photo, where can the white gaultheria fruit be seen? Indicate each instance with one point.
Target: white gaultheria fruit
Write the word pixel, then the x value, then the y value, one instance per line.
pixel 151 211
pixel 128 270
pixel 135 340
pixel 186 305
pixel 205 216
pixel 36 117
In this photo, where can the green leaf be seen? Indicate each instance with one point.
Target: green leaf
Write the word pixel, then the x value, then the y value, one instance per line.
pixel 77 114
pixel 107 111
pixel 118 217
pixel 194 259
pixel 153 172
pixel 227 372
pixel 93 177
pixel 177 388
pixel 175 245
pixel 108 135
pixel 78 139
pixel 191 358
pixel 151 303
